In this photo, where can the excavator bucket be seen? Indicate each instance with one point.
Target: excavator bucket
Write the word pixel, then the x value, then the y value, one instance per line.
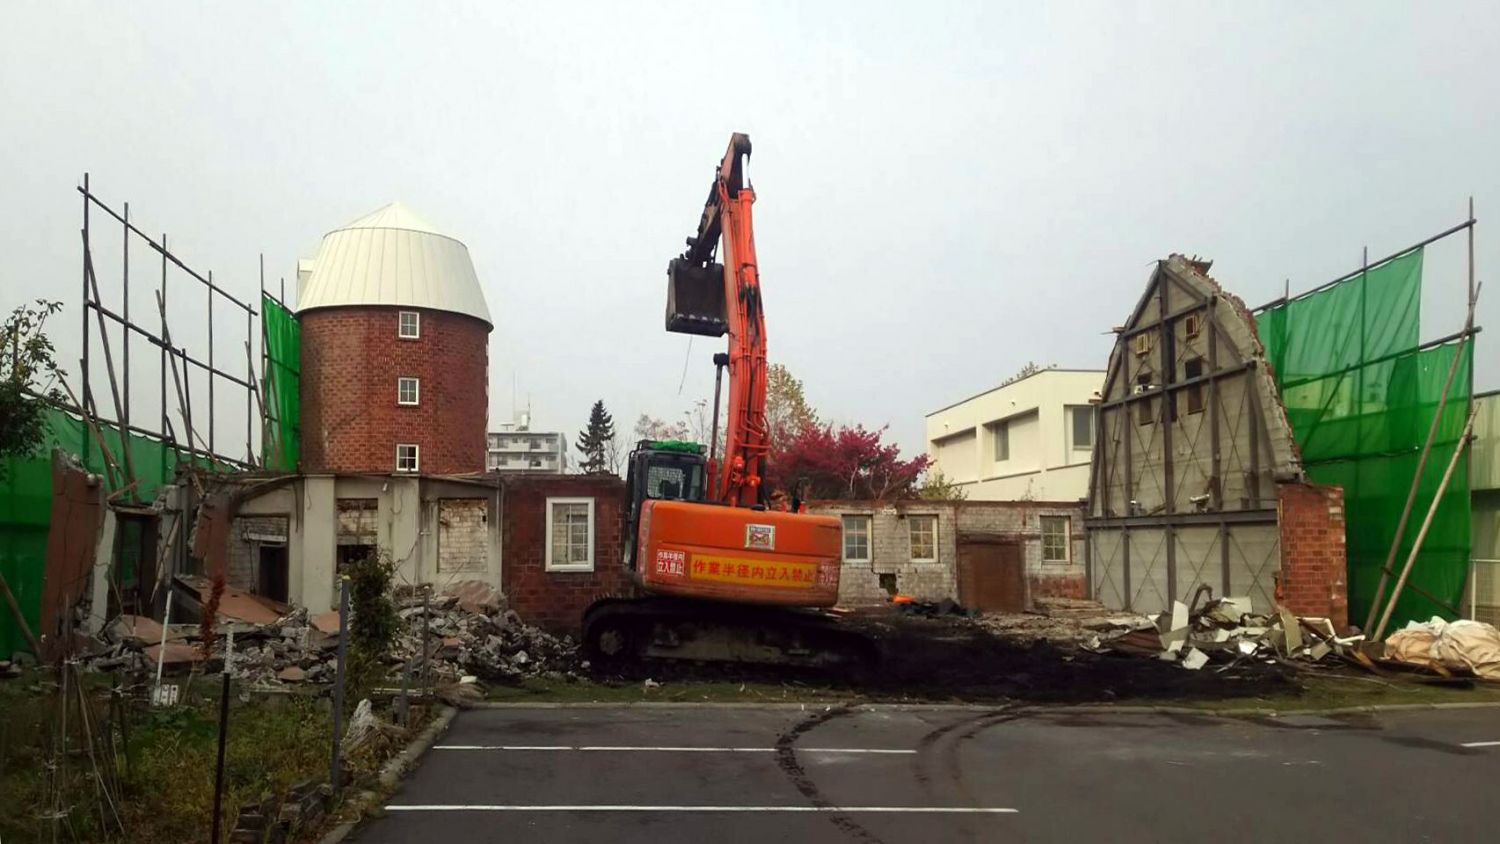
pixel 695 299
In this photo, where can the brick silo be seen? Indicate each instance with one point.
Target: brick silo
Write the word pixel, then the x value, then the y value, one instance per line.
pixel 395 350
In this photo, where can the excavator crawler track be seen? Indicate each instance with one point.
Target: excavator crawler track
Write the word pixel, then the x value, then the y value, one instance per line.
pixel 616 631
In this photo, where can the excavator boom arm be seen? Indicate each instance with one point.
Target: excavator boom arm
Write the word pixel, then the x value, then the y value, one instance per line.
pixel 727 218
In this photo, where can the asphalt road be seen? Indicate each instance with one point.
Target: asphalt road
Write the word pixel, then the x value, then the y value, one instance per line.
pixel 935 775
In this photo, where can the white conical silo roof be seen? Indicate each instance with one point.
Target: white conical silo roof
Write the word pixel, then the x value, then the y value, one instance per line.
pixel 392 257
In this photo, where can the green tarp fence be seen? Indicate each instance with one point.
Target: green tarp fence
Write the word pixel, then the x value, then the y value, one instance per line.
pixel 1360 397
pixel 282 443
pixel 26 505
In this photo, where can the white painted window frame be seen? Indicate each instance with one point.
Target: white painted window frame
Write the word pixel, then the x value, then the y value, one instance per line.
pixel 570 567
pixel 416 390
pixel 911 521
pixel 1067 539
pixel 416 333
pixel 416 458
pixel 1072 410
pixel 869 523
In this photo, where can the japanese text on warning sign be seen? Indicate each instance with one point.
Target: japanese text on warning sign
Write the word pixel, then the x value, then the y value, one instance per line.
pixel 792 575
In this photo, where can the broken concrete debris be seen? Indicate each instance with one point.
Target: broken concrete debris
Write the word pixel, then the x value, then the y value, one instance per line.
pixel 1065 621
pixel 466 636
pixel 1228 630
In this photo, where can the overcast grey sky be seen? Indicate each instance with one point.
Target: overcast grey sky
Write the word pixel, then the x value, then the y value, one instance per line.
pixel 945 190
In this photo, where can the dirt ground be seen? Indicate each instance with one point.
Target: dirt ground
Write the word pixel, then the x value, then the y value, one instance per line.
pixel 956 658
pixel 937 658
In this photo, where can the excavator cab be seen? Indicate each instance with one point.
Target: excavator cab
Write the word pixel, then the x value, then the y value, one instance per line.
pixel 661 470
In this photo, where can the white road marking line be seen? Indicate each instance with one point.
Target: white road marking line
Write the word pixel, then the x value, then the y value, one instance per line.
pixel 944 810
pixel 1482 744
pixel 641 749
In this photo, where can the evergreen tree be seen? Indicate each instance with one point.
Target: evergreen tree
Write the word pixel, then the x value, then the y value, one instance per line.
pixel 597 442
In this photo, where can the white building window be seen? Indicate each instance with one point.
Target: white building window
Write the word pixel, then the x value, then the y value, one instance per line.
pixel 1081 427
pixel 410 325
pixel 570 534
pixel 408 390
pixel 923 530
pixel 857 539
pixel 1055 539
pixel 406 458
pixel 1000 437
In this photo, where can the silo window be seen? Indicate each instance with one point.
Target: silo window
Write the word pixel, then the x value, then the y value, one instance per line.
pixel 411 325
pixel 406 458
pixel 408 390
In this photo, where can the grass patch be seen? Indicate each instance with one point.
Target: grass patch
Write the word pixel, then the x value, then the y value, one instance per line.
pixel 536 690
pixel 1343 691
pixel 167 777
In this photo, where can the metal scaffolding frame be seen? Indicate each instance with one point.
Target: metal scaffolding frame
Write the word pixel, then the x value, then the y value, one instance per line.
pixel 196 441
pixel 1120 411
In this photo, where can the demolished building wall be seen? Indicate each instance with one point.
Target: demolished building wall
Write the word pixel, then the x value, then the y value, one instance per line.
pixel 882 562
pixel 890 564
pixel 1313 580
pixel 1192 445
pixel 313 524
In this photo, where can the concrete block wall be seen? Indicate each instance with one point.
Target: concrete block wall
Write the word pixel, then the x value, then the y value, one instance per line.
pixel 1313 580
pixel 890 551
pixel 1022 520
pixel 462 535
pixel 244 552
pixel 555 600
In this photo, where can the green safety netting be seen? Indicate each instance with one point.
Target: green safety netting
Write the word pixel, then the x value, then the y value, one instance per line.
pixel 1360 397
pixel 282 444
pixel 26 505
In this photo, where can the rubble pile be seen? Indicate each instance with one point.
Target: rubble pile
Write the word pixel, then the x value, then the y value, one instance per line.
pixel 467 634
pixel 1067 622
pixel 1228 631
pixel 479 639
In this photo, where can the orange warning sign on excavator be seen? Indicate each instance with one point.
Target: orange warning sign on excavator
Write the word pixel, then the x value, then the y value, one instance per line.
pixel 762 572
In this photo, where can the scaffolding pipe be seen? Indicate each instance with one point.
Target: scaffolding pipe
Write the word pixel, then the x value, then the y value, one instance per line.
pixel 1411 492
pixel 1416 545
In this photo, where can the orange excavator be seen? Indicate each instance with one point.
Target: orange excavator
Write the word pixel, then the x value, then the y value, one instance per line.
pixel 730 572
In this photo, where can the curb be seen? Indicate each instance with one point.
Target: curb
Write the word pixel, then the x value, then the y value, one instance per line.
pixel 399 764
pixel 396 766
pixel 1100 709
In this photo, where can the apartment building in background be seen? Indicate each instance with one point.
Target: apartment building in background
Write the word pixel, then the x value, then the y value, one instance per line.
pixel 517 448
pixel 1028 439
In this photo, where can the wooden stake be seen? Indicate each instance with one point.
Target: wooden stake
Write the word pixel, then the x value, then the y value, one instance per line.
pixel 15 611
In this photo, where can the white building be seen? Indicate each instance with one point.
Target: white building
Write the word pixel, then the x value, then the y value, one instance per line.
pixel 1030 439
pixel 517 448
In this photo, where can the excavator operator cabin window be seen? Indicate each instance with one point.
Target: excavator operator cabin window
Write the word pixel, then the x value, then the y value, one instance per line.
pixel 677 481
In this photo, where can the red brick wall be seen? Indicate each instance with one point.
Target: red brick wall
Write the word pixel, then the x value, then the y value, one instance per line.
pixel 1063 586
pixel 351 358
pixel 1313 580
pixel 555 600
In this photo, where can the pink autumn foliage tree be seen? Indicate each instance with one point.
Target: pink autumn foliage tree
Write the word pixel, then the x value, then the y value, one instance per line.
pixel 827 462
